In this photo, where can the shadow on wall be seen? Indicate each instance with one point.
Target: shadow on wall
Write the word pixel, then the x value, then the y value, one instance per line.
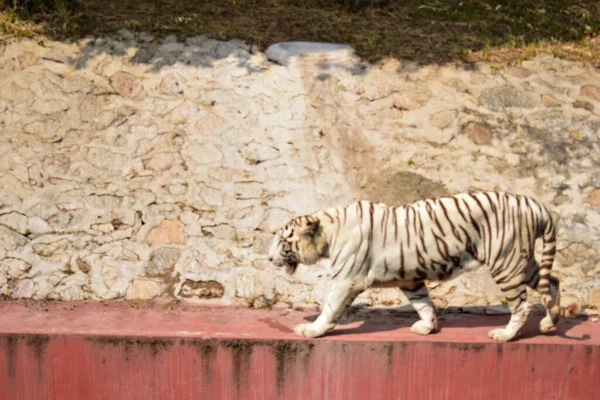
pixel 201 52
pixel 401 187
pixel 432 31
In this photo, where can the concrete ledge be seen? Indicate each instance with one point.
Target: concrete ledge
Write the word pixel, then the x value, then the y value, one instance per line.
pixel 117 351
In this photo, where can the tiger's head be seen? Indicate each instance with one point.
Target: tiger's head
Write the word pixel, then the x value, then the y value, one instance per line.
pixel 299 241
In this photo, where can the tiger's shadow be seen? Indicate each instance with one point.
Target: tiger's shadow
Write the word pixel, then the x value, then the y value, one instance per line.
pixel 389 319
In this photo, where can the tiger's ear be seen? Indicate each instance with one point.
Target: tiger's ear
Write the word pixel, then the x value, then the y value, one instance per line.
pixel 311 226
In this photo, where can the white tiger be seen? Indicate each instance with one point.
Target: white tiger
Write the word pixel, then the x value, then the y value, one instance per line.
pixel 372 245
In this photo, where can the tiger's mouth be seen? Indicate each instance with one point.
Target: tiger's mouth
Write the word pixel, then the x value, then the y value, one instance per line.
pixel 290 266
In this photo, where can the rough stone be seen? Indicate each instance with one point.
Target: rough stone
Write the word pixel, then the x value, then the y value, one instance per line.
pixel 126 34
pixel 16 94
pixel 105 159
pixel 498 98
pixel 173 84
pixel 262 242
pixel 11 240
pixel 126 85
pixel 106 227
pixel 594 198
pixel 50 106
pixel 550 101
pixel 478 133
pixel 36 225
pixel 27 59
pixel 144 289
pixel 183 113
pixel 162 261
pixel 110 275
pixel 248 190
pixel 209 123
pixel 275 219
pixel 443 119
pixel 519 72
pixel 262 264
pixel 168 232
pixel 44 129
pixel 162 161
pixel 204 153
pixel 591 92
pixel 24 289
pixel 178 189
pixel 202 289
pixel 222 232
pixel 15 221
pixel 594 298
pixel 47 250
pixel 57 54
pixel 14 267
pixel 92 105
pixel 586 105
pixel 13 190
pixel 56 164
pixel 261 302
pixel 83 266
pixel 210 195
pixel 578 256
pixel 247 286
pixel 69 83
pixel 145 54
pixel 104 119
pixel 407 100
pixel 513 159
pixel 255 153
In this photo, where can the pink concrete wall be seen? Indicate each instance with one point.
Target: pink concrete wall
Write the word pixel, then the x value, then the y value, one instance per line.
pixel 75 367
pixel 237 360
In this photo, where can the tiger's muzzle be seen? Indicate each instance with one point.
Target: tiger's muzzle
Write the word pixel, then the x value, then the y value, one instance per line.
pixel 290 264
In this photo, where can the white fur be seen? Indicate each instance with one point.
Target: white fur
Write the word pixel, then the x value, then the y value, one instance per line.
pixel 363 244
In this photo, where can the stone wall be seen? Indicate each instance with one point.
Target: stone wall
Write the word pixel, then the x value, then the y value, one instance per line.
pixel 139 169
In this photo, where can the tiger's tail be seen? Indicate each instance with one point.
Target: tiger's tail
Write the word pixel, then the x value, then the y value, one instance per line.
pixel 549 286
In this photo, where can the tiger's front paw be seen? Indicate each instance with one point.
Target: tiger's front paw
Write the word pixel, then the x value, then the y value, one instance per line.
pixel 423 328
pixel 501 335
pixel 309 331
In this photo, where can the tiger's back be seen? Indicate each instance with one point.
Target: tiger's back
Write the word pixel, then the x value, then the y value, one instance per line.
pixel 435 239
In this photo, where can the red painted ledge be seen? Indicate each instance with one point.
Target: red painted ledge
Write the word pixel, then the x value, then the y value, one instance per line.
pixel 91 351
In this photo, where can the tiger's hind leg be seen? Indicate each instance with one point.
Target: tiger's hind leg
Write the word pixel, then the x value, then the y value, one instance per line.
pixel 513 284
pixel 550 300
pixel 419 298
